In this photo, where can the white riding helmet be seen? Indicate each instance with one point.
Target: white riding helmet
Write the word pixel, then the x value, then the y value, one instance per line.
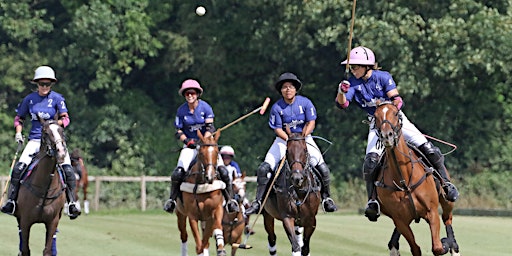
pixel 44 72
pixel 227 150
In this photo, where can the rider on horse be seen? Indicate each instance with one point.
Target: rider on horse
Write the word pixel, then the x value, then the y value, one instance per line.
pixel 366 87
pixel 191 116
pixel 46 104
pixel 299 113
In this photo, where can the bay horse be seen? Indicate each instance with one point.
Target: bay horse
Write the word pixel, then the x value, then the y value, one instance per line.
pixel 233 224
pixel 201 199
pixel 41 195
pixel 82 181
pixel 407 189
pixel 294 199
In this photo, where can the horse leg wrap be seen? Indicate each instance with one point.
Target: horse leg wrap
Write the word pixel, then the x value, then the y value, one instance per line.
pixel 219 237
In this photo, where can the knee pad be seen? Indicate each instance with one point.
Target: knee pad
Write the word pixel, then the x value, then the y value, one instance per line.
pixel 371 160
pixel 262 172
pixel 178 174
pixel 432 152
pixel 223 173
pixel 69 173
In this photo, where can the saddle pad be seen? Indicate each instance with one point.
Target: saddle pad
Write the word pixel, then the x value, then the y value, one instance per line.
pixel 202 188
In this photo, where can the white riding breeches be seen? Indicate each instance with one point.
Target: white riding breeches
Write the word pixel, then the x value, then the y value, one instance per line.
pixel 409 131
pixel 278 150
pixel 32 148
pixel 188 154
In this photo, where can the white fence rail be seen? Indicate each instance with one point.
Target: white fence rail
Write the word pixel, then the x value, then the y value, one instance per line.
pixel 140 179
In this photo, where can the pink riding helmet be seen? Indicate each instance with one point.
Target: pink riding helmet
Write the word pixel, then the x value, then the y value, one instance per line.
pixel 190 84
pixel 361 56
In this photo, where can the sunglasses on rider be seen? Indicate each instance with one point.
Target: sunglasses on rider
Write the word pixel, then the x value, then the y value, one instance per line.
pixel 190 92
pixel 45 84
pixel 354 67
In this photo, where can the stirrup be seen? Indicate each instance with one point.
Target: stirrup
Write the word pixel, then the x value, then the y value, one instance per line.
pixel 170 205
pixel 5 209
pixel 370 212
pixel 331 206
pixel 232 206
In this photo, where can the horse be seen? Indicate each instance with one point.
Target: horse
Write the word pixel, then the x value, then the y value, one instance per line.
pixel 295 198
pixel 201 199
pixel 82 182
pixel 41 195
pixel 233 224
pixel 407 189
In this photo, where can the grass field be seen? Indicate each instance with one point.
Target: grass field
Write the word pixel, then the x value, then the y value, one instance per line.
pixel 127 233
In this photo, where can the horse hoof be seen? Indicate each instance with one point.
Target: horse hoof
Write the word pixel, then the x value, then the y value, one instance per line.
pixel 221 253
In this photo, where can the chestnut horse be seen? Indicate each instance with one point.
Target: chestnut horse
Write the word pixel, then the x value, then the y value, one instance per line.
pixel 407 189
pixel 82 182
pixel 233 224
pixel 294 199
pixel 41 195
pixel 202 199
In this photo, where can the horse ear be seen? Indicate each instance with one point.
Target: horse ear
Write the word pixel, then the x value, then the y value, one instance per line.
pixel 200 135
pixel 217 136
pixel 243 174
pixel 41 120
pixel 287 128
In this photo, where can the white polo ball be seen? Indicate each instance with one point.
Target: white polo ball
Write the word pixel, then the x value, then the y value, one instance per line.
pixel 200 10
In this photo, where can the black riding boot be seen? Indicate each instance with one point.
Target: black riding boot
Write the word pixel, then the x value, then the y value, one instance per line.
pixel 262 180
pixel 73 210
pixel 435 158
pixel 327 202
pixel 10 206
pixel 372 209
pixel 177 177
pixel 231 204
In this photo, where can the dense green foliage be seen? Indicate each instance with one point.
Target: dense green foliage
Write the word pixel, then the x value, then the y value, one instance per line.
pixel 120 64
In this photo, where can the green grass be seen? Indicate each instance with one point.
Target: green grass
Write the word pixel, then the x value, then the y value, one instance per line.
pixel 117 233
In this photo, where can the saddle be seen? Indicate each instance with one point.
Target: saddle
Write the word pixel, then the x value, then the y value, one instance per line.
pixel 427 167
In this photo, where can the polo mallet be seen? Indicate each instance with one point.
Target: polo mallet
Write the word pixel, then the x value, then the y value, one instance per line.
pixel 347 65
pixel 261 109
pixel 244 244
pixel 10 173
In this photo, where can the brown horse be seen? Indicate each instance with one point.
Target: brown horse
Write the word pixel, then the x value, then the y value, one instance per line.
pixel 233 224
pixel 202 199
pixel 82 183
pixel 41 196
pixel 295 198
pixel 407 189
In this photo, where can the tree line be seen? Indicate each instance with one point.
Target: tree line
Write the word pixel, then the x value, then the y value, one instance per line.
pixel 120 65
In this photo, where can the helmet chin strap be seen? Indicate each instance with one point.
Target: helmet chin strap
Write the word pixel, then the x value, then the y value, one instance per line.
pixel 366 69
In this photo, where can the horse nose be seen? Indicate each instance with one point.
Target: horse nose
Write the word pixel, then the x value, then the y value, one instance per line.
pixel 296 178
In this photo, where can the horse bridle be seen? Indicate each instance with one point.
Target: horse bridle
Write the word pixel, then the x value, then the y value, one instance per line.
pixel 51 147
pixel 304 165
pixel 396 128
pixel 203 166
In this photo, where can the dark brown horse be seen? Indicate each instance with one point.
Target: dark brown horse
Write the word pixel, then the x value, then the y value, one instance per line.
pixel 233 224
pixel 295 198
pixel 407 189
pixel 82 183
pixel 41 196
pixel 203 200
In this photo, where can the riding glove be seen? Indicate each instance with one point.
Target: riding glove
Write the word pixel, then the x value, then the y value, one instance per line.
pixel 19 137
pixel 191 143
pixel 343 87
